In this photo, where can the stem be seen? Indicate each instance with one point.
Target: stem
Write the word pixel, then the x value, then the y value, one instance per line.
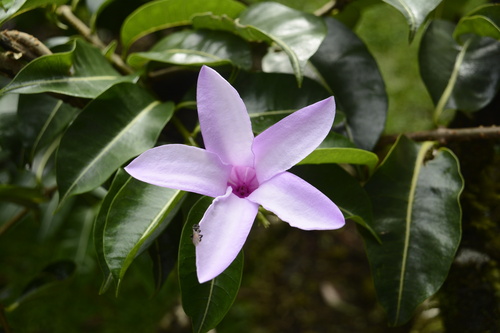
pixel 65 12
pixel 7 225
pixel 448 134
pixel 3 321
pixel 185 133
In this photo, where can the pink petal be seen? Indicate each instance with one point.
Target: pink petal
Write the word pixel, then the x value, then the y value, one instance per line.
pixel 297 202
pixel 287 142
pixel 225 227
pixel 224 121
pixel 182 167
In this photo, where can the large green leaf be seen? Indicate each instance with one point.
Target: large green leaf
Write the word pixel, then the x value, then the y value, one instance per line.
pixel 345 66
pixel 119 124
pixel 415 11
pixel 137 214
pixel 42 119
pixel 82 72
pixel 9 8
pixel 299 34
pixel 163 14
pixel 197 48
pixel 458 77
pixel 417 215
pixel 342 155
pixel 296 33
pixel 206 304
pixel 484 21
pixel 120 179
pixel 341 188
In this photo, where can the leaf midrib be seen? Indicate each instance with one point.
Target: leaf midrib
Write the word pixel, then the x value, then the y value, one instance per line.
pixel 108 147
pixel 411 198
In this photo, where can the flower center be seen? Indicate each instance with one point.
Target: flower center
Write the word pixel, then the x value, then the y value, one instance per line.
pixel 243 180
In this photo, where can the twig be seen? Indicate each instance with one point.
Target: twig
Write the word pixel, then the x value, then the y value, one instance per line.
pixel 185 133
pixel 7 225
pixel 24 45
pixel 3 320
pixel 444 135
pixel 65 12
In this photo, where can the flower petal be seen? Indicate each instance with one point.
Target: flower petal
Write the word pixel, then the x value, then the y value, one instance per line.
pixel 182 167
pixel 224 121
pixel 225 227
pixel 297 202
pixel 287 142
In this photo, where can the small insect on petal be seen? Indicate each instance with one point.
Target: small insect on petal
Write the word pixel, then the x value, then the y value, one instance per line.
pixel 196 236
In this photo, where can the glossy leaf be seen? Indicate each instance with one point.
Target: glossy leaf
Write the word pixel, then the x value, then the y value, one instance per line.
pixel 206 304
pixel 346 68
pixel 119 124
pixel 42 119
pixel 417 215
pixel 297 33
pixel 120 179
pixel 9 9
pixel 137 214
pixel 342 155
pixel 415 11
pixel 458 77
pixel 163 14
pixel 197 48
pixel 342 189
pixel 484 22
pixel 82 72
pixel 267 101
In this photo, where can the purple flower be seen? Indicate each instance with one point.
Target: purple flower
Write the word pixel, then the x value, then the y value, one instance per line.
pixel 242 171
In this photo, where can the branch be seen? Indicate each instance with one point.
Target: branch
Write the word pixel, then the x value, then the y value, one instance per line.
pixel 65 12
pixel 444 135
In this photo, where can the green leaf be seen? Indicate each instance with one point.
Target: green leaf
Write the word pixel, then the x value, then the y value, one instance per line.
pixel 163 14
pixel 119 124
pixel 299 34
pixel 9 9
pixel 342 155
pixel 51 276
pixel 458 77
pixel 415 11
pixel 206 304
pixel 341 188
pixel 484 21
pixel 82 72
pixel 42 119
pixel 120 179
pixel 346 68
pixel 417 215
pixel 271 97
pixel 197 48
pixel 32 4
pixel 137 214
